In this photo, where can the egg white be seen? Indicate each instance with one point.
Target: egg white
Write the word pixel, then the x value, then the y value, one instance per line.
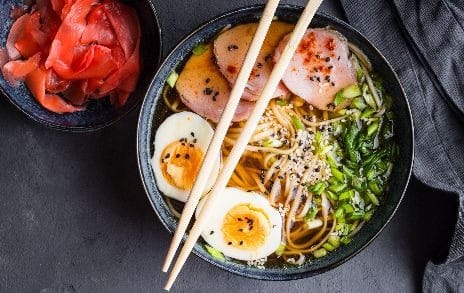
pixel 175 127
pixel 232 197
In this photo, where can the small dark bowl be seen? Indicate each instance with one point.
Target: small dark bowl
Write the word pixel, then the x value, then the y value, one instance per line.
pixel 101 113
pixel 153 112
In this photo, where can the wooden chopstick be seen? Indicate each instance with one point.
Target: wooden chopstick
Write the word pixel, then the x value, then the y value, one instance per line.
pixel 214 148
pixel 239 148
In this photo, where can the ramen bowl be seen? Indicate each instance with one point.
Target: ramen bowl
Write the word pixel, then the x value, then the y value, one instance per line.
pixel 154 112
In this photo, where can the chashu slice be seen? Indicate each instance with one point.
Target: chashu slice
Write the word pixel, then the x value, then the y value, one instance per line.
pixel 204 89
pixel 320 67
pixel 230 49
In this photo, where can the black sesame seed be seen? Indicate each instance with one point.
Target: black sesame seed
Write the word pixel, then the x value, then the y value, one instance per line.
pixel 280 177
pixel 311 78
pixel 289 157
pixel 277 167
pixel 268 56
pixel 240 219
pixel 195 140
pixel 241 242
pixel 338 58
pixel 187 156
pixel 327 59
pixel 306 167
pixel 211 232
pixel 240 230
pixel 317 169
pixel 330 67
pixel 251 227
pixel 327 77
pixel 318 56
pixel 232 47
pixel 208 80
pixel 332 83
pixel 183 144
pixel 208 91
pixel 192 134
pixel 259 65
pixel 167 156
pixel 215 96
pixel 318 78
pixel 191 145
pixel 177 156
pixel 229 243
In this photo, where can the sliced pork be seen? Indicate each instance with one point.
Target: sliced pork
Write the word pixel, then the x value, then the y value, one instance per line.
pixel 320 67
pixel 204 89
pixel 230 49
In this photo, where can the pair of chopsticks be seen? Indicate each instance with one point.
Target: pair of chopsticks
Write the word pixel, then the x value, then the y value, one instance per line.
pixel 221 131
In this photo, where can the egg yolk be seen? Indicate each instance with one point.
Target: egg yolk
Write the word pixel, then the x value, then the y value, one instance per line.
pixel 246 227
pixel 180 162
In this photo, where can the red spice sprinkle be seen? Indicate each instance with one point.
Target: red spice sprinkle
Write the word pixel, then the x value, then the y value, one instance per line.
pixel 330 45
pixel 231 69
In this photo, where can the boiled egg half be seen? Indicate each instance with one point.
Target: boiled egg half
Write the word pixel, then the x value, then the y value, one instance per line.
pixel 244 225
pixel 181 142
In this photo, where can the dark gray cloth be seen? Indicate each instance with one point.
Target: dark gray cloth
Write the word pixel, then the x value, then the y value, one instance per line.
pixel 424 42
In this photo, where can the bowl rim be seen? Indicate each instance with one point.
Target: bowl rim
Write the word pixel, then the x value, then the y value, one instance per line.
pixel 289 275
pixel 100 126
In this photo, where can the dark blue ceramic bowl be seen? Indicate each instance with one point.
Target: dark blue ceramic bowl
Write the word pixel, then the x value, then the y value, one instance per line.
pixel 153 112
pixel 99 113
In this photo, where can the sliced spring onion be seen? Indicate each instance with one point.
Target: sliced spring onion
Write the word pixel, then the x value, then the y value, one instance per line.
pixel 280 249
pixel 372 128
pixel 216 254
pixel 351 91
pixel 374 187
pixel 331 160
pixel 337 174
pixel 345 240
pixel 368 215
pixel 321 252
pixel 348 208
pixel 172 78
pixel 367 113
pixel 340 212
pixel 331 195
pixel 281 103
pixel 337 187
pixel 343 228
pixel 328 247
pixel 357 215
pixel 346 195
pixel 297 123
pixel 199 49
pixel 317 188
pixel 339 98
pixel 334 240
pixel 312 212
pixel 358 103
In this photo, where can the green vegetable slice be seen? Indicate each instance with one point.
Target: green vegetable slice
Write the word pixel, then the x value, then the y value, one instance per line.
pixel 199 49
pixel 216 254
pixel 172 78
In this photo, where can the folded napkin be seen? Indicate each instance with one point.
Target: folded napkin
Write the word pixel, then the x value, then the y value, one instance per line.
pixel 424 42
